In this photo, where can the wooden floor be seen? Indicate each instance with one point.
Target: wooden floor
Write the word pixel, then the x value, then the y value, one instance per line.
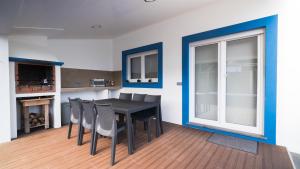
pixel 177 148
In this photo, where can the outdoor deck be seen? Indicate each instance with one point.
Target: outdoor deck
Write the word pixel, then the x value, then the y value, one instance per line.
pixel 178 148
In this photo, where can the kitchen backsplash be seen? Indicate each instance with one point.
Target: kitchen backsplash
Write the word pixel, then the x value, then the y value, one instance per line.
pixel 81 77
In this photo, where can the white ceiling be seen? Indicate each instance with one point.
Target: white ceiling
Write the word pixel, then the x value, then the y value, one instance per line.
pixel 77 16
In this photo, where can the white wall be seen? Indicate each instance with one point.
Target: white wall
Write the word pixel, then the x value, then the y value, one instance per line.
pixel 4 90
pixel 92 54
pixel 57 99
pixel 31 47
pixel 288 81
pixel 215 15
pixel 95 54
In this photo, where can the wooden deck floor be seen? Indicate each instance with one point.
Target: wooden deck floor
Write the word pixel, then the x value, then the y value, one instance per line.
pixel 177 148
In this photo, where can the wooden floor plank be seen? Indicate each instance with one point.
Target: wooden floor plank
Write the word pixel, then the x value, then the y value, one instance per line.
pixel 250 161
pixel 215 158
pixel 152 157
pixel 266 152
pixel 224 158
pixel 232 160
pixel 187 156
pixel 280 158
pixel 155 145
pixel 241 160
pixel 178 148
pixel 170 151
pixel 176 155
pixel 203 157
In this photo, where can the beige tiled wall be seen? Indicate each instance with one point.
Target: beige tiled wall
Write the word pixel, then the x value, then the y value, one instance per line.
pixel 81 77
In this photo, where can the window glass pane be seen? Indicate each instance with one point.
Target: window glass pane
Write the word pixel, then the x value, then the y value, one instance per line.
pixel 135 69
pixel 206 82
pixel 241 82
pixel 151 66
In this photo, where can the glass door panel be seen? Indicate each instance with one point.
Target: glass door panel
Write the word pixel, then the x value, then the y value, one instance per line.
pixel 206 82
pixel 241 81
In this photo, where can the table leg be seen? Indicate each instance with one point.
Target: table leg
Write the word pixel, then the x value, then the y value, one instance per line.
pixel 46 111
pixel 157 122
pixel 160 121
pixel 26 119
pixel 129 133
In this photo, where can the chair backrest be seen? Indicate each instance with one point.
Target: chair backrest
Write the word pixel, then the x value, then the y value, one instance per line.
pixel 75 107
pixel 125 96
pixel 88 113
pixel 138 97
pixel 106 120
pixel 152 98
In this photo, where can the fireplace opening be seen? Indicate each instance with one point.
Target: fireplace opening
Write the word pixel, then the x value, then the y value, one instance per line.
pixel 34 78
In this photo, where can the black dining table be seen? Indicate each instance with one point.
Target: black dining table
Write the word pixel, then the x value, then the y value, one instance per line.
pixel 129 107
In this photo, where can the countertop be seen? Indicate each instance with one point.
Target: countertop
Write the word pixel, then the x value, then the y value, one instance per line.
pixel 66 90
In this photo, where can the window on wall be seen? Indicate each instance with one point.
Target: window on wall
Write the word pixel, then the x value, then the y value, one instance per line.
pixel 142 66
pixel 135 68
pixel 151 62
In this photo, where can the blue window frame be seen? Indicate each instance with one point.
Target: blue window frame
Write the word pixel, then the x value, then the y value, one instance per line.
pixel 128 53
pixel 270 26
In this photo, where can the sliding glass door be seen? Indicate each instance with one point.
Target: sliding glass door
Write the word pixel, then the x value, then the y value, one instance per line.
pixel 226 82
pixel 206 85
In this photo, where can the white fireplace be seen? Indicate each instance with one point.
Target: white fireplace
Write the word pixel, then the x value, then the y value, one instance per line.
pixel 55 107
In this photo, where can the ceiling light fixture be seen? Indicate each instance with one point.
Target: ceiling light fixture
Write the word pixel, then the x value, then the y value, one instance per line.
pixel 38 28
pixel 149 0
pixel 96 26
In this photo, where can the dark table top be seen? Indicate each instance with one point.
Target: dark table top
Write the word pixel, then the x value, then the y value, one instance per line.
pixel 125 106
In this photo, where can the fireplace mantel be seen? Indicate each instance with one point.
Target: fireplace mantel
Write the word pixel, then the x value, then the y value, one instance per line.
pixel 27 60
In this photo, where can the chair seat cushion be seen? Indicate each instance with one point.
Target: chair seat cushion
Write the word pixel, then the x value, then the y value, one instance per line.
pixel 73 119
pixel 86 125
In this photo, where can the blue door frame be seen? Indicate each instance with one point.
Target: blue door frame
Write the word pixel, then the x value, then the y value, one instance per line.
pixel 270 25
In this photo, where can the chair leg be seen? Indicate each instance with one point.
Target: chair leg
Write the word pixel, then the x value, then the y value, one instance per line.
pixel 70 129
pixel 81 135
pixel 95 143
pixel 145 126
pixel 113 149
pixel 148 130
pixel 92 142
pixel 157 126
pixel 119 139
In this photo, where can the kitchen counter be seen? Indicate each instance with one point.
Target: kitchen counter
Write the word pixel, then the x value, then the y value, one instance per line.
pixel 79 89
